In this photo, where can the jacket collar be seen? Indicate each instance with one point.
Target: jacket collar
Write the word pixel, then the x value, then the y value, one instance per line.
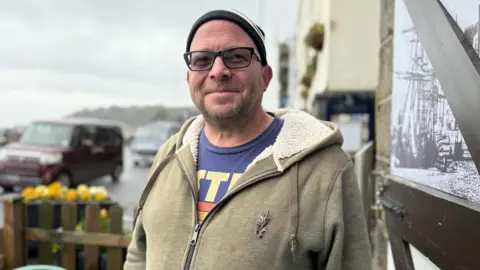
pixel 300 132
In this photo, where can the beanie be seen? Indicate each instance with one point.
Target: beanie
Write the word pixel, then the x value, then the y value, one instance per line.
pixel 252 29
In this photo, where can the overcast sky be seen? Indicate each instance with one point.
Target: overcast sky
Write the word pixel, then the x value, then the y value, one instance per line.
pixel 60 56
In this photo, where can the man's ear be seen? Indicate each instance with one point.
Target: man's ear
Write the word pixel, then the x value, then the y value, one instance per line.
pixel 188 77
pixel 267 75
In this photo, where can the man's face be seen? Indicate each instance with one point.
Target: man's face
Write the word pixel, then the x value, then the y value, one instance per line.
pixel 223 93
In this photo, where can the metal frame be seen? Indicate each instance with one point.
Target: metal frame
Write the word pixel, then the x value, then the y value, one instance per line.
pixel 441 226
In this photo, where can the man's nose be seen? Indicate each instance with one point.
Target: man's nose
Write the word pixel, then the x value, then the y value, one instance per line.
pixel 219 71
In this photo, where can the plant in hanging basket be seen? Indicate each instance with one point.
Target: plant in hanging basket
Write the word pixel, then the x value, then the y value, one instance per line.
pixel 304 93
pixel 284 51
pixel 310 72
pixel 306 80
pixel 315 36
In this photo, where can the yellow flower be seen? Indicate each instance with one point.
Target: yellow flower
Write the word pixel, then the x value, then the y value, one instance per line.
pixel 71 195
pixel 42 191
pixel 100 196
pixel 57 195
pixel 55 185
pixel 29 193
pixel 104 213
pixel 54 190
pixel 81 188
pixel 318 27
pixel 85 195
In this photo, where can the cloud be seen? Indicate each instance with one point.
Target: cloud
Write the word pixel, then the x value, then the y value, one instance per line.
pixel 60 56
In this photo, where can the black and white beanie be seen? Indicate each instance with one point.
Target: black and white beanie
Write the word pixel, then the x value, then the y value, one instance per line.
pixel 252 29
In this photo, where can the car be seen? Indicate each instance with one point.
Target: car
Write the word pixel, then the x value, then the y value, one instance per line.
pixel 69 150
pixel 9 135
pixel 148 139
pixel 3 139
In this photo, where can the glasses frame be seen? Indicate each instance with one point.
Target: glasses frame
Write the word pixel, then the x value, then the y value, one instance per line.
pixel 253 52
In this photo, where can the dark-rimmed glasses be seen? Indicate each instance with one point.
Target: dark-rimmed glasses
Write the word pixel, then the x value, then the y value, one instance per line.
pixel 233 58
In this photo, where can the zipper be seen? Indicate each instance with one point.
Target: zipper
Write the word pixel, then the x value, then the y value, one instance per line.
pixel 191 247
pixel 193 239
pixel 198 226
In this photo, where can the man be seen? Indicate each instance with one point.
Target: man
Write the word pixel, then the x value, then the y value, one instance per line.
pixel 241 188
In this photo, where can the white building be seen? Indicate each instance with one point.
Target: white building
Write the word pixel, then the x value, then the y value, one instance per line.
pixel 349 61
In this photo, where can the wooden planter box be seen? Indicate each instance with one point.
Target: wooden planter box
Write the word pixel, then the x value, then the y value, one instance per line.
pixel 32 213
pixel 32 210
pixel 48 225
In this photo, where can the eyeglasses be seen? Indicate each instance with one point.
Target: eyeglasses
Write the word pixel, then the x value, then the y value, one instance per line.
pixel 233 58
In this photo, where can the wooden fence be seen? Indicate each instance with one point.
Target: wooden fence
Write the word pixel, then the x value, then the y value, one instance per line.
pixel 96 242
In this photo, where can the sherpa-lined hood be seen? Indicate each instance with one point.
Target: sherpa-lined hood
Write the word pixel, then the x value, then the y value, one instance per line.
pixel 300 135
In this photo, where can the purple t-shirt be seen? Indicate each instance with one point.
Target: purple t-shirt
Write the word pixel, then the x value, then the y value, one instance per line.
pixel 219 168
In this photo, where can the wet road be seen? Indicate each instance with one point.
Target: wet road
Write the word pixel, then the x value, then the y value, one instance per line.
pixel 126 192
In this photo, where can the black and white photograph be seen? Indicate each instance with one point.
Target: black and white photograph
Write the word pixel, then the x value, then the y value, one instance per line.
pixel 427 144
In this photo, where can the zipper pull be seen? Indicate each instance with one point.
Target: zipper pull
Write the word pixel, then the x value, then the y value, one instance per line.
pixel 193 241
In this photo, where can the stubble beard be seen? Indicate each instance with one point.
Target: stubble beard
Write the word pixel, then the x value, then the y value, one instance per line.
pixel 232 120
pixel 235 119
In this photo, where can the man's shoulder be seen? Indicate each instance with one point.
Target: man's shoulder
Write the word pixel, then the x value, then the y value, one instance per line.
pixel 329 160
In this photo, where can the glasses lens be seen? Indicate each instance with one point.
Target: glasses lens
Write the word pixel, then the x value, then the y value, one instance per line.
pixel 237 58
pixel 200 60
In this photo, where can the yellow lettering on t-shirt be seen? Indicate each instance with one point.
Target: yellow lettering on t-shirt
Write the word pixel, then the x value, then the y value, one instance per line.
pixel 200 175
pixel 215 179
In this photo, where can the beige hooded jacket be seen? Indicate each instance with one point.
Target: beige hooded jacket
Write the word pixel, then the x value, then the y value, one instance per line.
pixel 297 206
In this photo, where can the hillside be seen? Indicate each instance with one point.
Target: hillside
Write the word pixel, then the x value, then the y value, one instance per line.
pixel 138 115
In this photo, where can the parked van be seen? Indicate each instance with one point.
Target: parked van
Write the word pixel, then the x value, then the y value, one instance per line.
pixel 70 150
pixel 149 138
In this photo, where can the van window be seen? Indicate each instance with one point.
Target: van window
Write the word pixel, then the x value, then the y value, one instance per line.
pixel 116 137
pixel 102 137
pixel 47 134
pixel 83 133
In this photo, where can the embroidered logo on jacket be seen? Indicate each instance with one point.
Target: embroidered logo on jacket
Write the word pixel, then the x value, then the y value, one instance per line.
pixel 262 223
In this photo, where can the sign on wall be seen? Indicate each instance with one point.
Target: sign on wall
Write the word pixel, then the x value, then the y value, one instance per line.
pixel 427 144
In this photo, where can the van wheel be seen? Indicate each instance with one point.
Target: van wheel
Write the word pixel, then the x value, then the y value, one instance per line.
pixel 117 172
pixel 65 179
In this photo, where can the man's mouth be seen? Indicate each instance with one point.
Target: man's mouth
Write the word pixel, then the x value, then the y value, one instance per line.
pixel 221 91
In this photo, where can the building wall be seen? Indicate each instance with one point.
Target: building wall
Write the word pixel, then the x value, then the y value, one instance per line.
pixel 349 60
pixel 352 47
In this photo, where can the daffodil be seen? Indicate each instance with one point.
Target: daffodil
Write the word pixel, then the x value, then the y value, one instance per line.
pixel 100 196
pixel 82 187
pixel 85 195
pixel 104 213
pixel 71 195
pixel 42 191
pixel 29 193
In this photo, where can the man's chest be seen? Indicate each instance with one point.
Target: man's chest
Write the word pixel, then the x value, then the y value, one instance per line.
pixel 213 185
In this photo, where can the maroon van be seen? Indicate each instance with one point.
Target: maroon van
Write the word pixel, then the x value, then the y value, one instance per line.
pixel 70 150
